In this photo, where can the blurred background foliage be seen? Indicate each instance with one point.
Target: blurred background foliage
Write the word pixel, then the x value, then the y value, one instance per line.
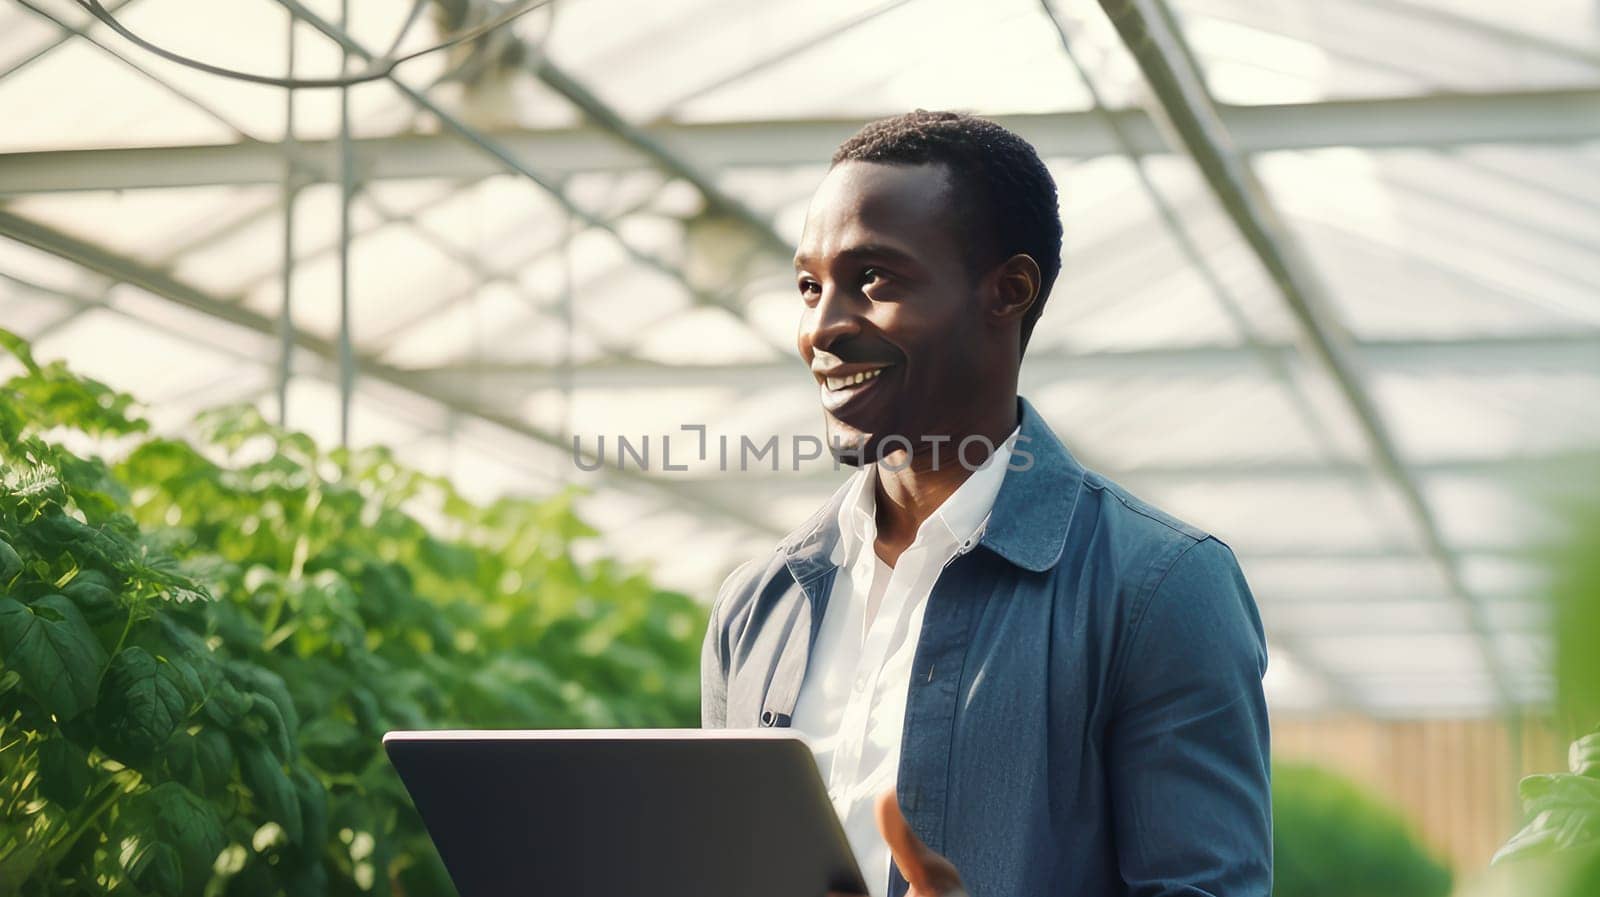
pixel 1332 839
pixel 202 644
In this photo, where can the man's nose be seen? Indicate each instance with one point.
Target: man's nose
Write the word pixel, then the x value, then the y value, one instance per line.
pixel 836 315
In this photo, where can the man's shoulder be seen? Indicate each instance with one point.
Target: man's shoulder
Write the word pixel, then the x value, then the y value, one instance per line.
pixel 747 576
pixel 751 576
pixel 735 600
pixel 1121 507
pixel 1145 543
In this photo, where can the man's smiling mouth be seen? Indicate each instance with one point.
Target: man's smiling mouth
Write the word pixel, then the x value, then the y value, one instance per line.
pixel 847 393
pixel 848 387
pixel 847 380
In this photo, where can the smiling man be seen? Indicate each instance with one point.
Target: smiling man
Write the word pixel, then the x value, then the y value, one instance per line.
pixel 1019 680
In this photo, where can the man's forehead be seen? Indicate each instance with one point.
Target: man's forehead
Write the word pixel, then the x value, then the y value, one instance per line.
pixel 874 203
pixel 881 187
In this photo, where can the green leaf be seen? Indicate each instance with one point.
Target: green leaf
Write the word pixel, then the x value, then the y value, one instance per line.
pixel 313 809
pixel 64 773
pixel 157 869
pixel 1565 810
pixel 141 706
pixel 190 827
pixel 94 595
pixel 270 685
pixel 274 793
pixel 1583 758
pixel 54 649
pixel 1560 790
pixel 19 348
pixel 226 705
pixel 202 760
pixel 265 722
pixel 1539 837
pixel 10 562
pixel 178 669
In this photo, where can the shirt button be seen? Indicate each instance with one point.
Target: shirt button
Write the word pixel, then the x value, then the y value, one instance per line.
pixel 861 682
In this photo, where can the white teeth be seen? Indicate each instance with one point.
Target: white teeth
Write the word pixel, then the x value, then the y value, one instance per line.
pixel 851 379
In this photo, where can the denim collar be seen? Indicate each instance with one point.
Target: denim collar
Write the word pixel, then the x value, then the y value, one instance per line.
pixel 1028 526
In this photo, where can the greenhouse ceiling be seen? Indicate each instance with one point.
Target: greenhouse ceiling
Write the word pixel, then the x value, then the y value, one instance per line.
pixel 1359 340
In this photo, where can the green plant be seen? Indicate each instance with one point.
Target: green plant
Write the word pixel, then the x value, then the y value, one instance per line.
pixel 1561 841
pixel 202 644
pixel 1330 839
pixel 1565 807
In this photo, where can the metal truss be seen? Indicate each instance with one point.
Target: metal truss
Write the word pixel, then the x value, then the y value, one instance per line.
pixel 1438 121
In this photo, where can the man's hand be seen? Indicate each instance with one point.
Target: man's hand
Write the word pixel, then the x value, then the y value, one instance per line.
pixel 929 874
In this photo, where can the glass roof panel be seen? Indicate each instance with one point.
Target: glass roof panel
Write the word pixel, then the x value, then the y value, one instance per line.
pixel 76 96
pixel 24 36
pixel 149 225
pixel 1304 51
pixel 1449 235
pixel 933 54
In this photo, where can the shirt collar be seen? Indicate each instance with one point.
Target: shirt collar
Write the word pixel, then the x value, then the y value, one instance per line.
pixel 1028 523
pixel 957 522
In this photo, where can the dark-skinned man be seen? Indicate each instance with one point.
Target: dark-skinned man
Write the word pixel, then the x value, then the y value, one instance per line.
pixel 1018 679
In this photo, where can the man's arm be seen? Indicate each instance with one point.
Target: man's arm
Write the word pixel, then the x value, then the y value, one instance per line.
pixel 713 673
pixel 714 655
pixel 1188 748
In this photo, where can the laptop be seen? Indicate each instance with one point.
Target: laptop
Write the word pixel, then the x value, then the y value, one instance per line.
pixel 626 812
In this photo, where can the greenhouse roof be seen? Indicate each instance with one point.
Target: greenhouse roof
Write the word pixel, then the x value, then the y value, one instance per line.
pixel 1380 398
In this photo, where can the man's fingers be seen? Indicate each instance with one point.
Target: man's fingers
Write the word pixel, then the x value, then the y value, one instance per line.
pixel 928 873
pixel 910 854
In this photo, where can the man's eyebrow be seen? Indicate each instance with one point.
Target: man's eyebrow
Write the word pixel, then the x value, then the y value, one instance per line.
pixel 866 251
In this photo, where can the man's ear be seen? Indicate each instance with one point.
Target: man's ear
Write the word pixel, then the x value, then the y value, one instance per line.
pixel 1016 287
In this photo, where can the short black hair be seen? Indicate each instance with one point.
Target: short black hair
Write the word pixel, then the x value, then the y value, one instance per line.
pixel 1003 188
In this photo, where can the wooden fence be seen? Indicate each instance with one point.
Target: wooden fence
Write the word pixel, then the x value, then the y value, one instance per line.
pixel 1455 779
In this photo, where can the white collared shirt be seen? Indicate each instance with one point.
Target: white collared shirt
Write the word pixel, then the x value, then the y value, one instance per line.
pixel 852 704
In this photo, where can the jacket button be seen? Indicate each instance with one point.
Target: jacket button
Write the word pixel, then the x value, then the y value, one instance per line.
pixel 768 717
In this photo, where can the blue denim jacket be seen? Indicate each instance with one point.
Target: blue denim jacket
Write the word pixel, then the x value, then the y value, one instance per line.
pixel 1085 714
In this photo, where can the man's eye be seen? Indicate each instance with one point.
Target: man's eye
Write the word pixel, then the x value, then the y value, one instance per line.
pixel 810 288
pixel 871 275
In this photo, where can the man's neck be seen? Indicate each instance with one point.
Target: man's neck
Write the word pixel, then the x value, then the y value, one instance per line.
pixel 906 495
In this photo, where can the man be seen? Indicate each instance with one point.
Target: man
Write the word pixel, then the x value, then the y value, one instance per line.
pixel 1019 680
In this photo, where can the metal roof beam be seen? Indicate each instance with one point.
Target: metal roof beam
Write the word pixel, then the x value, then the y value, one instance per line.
pixel 1435 120
pixel 1567 350
pixel 670 162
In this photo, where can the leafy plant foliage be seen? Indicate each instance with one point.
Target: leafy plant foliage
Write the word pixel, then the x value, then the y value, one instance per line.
pixel 1563 830
pixel 1565 807
pixel 201 646
pixel 1330 839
